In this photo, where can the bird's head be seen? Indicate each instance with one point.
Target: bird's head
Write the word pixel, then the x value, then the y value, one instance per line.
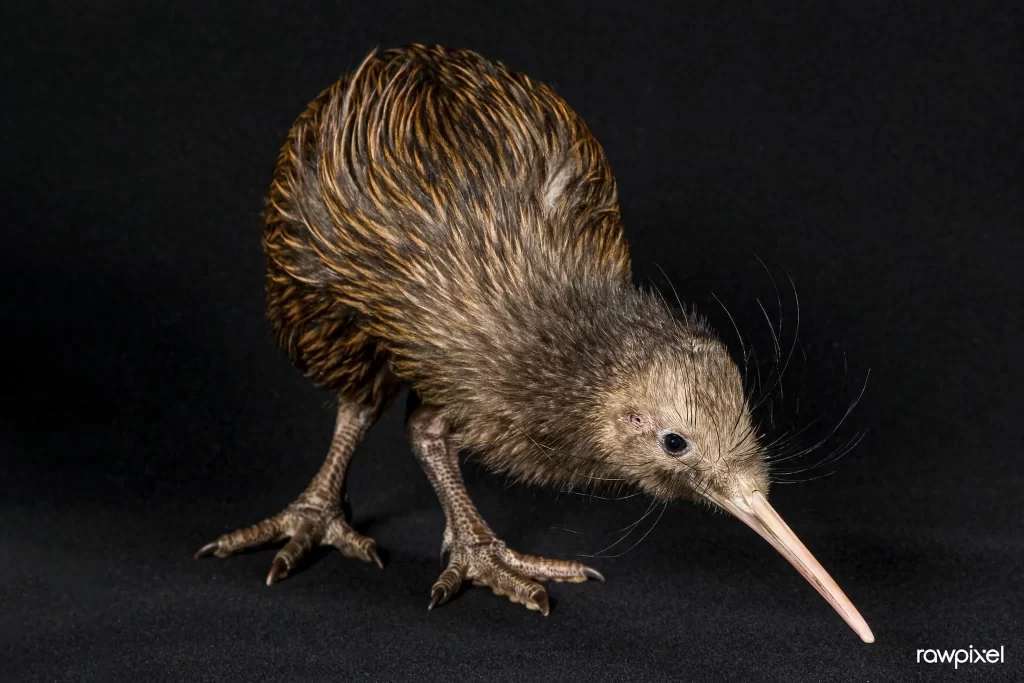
pixel 673 419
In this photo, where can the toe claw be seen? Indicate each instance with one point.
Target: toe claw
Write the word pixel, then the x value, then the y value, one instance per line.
pixel 207 550
pixel 437 596
pixel 593 574
pixel 278 571
pixel 539 601
pixel 372 552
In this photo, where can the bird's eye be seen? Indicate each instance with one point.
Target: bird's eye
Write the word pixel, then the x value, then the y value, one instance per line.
pixel 674 443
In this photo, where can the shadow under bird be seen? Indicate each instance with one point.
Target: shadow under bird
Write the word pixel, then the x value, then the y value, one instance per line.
pixel 440 221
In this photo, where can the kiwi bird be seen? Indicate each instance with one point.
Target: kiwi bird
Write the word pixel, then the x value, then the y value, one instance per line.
pixel 440 221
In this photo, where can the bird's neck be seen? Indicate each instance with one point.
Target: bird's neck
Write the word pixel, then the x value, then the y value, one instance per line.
pixel 524 386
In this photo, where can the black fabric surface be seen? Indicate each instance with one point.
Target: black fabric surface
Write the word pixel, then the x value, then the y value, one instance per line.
pixel 870 152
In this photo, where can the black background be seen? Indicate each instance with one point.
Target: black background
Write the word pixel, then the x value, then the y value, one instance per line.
pixel 873 153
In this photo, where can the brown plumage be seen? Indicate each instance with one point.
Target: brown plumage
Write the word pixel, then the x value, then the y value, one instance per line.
pixel 438 220
pixel 439 215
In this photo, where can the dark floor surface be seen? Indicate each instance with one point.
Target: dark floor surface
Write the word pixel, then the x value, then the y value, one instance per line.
pixel 872 152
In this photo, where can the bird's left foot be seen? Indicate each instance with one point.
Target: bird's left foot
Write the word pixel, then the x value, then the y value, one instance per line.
pixel 306 525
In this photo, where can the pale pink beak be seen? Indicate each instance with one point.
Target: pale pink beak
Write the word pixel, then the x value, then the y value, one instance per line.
pixel 762 518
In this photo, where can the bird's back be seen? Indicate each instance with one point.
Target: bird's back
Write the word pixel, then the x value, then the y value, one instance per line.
pixel 434 183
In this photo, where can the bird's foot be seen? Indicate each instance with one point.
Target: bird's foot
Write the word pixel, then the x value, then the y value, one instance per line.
pixel 305 524
pixel 507 572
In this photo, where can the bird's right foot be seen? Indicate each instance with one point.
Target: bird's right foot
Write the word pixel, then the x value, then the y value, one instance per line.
pixel 306 525
pixel 506 572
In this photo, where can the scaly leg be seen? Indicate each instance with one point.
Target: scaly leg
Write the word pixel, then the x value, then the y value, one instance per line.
pixel 317 516
pixel 474 551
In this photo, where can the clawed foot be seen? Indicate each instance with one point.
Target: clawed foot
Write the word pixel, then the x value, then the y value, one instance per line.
pixel 306 525
pixel 506 572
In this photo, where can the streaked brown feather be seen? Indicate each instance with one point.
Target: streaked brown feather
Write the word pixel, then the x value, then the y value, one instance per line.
pixel 419 184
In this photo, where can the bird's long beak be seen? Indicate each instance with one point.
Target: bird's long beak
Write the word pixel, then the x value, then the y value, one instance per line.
pixel 755 512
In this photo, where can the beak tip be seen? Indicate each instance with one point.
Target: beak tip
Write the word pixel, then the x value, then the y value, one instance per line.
pixel 762 518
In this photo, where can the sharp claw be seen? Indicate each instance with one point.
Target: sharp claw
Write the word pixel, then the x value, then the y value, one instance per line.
pixel 207 550
pixel 437 596
pixel 278 571
pixel 372 552
pixel 593 574
pixel 540 599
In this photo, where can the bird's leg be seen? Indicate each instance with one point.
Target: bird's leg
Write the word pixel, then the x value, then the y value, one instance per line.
pixel 317 516
pixel 474 551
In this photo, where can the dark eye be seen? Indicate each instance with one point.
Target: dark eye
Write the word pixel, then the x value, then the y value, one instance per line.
pixel 674 443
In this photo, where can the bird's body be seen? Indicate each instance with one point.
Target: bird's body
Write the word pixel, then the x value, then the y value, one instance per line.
pixel 440 221
pixel 437 215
